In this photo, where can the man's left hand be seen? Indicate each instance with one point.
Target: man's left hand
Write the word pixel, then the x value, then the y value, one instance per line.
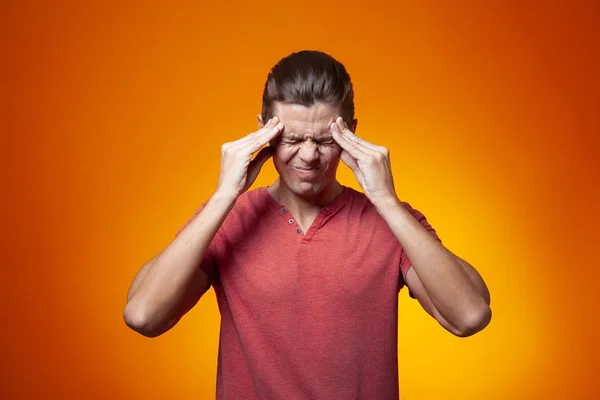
pixel 370 163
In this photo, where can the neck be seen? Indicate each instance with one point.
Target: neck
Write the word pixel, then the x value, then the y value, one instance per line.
pixel 304 204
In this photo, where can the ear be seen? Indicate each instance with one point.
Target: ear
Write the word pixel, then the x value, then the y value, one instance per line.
pixel 260 121
pixel 353 126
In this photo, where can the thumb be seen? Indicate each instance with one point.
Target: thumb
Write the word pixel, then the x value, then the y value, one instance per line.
pixel 256 164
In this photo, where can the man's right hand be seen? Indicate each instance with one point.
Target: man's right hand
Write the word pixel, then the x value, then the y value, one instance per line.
pixel 238 169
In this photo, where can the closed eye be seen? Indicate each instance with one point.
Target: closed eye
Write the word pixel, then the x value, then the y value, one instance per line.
pixel 292 141
pixel 326 141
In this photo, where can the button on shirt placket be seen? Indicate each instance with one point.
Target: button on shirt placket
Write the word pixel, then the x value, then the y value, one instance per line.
pixel 291 221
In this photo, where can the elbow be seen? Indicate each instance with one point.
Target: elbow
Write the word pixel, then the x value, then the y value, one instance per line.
pixel 474 321
pixel 139 320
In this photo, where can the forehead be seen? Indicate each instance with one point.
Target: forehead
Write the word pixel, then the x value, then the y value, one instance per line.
pixel 300 120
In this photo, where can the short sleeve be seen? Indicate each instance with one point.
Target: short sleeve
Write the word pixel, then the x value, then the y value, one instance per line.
pixel 208 264
pixel 405 262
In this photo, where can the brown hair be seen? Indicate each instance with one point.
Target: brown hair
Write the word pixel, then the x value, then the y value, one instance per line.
pixel 307 77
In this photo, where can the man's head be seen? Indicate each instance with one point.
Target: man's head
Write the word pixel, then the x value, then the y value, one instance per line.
pixel 307 90
pixel 308 77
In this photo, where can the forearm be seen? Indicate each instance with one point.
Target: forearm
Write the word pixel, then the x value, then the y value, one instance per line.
pixel 454 287
pixel 158 290
pixel 476 280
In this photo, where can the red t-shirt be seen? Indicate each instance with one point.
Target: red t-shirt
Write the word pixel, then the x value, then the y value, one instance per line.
pixel 308 315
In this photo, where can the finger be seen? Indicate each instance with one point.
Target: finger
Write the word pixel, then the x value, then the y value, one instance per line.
pixel 257 163
pixel 349 161
pixel 265 129
pixel 353 138
pixel 270 134
pixel 270 124
pixel 259 139
pixel 346 144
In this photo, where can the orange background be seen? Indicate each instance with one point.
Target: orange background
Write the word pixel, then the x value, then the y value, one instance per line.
pixel 112 121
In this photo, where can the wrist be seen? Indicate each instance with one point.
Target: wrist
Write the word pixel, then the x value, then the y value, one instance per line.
pixel 387 203
pixel 395 214
pixel 223 199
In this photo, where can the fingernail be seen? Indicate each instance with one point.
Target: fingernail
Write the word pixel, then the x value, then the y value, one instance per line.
pixel 335 128
pixel 269 121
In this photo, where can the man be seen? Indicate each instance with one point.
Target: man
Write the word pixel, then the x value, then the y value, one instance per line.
pixel 307 271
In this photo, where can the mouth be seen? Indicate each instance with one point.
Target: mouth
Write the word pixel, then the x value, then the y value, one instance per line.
pixel 307 170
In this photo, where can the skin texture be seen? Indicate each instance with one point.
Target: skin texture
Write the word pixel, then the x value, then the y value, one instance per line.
pixel 306 157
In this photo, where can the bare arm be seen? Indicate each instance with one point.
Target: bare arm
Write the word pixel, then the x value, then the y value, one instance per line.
pixel 169 285
pixel 172 282
pixel 416 287
pixel 448 288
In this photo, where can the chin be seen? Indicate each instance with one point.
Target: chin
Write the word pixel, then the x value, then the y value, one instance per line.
pixel 304 188
pixel 307 188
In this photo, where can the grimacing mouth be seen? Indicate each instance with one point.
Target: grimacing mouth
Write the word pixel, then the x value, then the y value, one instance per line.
pixel 307 169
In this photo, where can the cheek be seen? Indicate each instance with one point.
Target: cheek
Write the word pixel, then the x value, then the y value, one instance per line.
pixel 332 153
pixel 336 150
pixel 283 154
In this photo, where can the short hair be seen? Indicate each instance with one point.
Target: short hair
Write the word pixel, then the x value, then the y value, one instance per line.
pixel 308 77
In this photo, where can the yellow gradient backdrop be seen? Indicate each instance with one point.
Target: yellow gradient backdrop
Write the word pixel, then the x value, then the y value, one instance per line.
pixel 112 117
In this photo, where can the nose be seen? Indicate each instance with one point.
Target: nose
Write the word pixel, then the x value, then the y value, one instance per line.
pixel 309 153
